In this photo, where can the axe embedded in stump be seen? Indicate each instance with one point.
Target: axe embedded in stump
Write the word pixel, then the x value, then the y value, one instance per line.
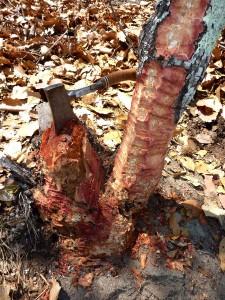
pixel 59 98
pixel 73 172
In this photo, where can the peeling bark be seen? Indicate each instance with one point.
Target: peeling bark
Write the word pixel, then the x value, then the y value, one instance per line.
pixel 73 176
pixel 175 48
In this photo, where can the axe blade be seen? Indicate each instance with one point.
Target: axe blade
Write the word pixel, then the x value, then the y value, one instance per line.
pixel 59 102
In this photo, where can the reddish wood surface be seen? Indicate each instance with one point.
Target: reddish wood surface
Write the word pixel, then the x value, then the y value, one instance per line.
pixel 177 34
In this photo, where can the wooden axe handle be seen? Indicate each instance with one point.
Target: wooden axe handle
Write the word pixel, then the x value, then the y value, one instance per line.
pixel 104 82
pixel 118 76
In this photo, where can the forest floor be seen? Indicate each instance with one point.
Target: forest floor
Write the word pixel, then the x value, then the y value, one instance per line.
pixel 179 252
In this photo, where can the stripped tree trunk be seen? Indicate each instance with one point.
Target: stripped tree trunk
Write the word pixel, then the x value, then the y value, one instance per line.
pixel 175 47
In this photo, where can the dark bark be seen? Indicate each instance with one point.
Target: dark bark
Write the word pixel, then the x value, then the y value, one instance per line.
pixel 20 173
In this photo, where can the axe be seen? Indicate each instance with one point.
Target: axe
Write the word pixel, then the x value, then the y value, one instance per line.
pixel 59 98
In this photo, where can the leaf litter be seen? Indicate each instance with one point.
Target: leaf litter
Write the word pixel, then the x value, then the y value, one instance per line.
pixel 75 43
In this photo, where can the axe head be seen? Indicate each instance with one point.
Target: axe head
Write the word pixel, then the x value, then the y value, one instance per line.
pixel 59 103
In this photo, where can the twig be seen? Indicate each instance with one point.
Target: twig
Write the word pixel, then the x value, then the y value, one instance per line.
pixel 129 42
pixel 45 280
pixel 53 45
pixel 22 174
pixel 38 297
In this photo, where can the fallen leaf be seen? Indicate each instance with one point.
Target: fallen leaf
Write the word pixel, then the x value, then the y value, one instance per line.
pixel 121 36
pixel 202 153
pixel 112 138
pixel 44 50
pixel 210 187
pixel 100 110
pixel 137 276
pixel 215 212
pixel 28 129
pixel 172 253
pixel 220 190
pixel 222 180
pixel 124 99
pixel 13 102
pixel 222 254
pixel 223 112
pixel 204 138
pixel 192 179
pixel 222 200
pixel 208 109
pixel 19 92
pixel 13 149
pixel 4 61
pixel 187 163
pixel 175 265
pixel 201 167
pixel 189 147
pixel 19 71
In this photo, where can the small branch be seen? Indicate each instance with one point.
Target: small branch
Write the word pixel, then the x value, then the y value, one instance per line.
pixel 42 293
pixel 53 45
pixel 20 173
pixel 129 42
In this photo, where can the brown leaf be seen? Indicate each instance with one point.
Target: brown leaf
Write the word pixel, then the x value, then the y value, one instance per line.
pixel 4 61
pixel 101 110
pixel 13 102
pixel 217 53
pixel 208 109
pixel 81 53
pixel 108 36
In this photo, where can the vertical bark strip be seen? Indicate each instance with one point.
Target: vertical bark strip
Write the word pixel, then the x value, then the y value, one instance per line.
pixel 175 47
